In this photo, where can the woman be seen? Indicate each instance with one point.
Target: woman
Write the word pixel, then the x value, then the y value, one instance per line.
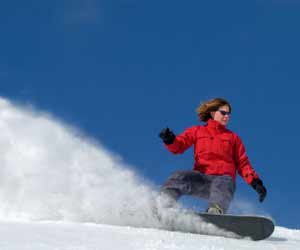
pixel 219 154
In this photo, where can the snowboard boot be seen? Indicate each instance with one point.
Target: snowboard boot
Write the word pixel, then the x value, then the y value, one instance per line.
pixel 215 209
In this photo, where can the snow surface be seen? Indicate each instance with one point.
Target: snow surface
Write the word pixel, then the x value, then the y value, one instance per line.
pixel 83 236
pixel 61 190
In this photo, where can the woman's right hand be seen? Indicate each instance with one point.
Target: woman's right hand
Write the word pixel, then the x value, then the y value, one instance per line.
pixel 167 136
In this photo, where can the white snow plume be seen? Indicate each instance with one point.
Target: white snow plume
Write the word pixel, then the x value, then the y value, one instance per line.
pixel 48 171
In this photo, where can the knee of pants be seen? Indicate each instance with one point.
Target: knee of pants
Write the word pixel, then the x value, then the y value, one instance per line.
pixel 180 175
pixel 176 179
pixel 180 182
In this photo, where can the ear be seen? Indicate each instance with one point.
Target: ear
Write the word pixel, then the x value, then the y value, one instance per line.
pixel 212 114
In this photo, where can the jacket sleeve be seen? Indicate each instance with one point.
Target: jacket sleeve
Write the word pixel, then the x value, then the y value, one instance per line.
pixel 244 167
pixel 183 141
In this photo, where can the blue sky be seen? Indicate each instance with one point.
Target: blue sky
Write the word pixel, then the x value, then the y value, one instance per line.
pixel 123 70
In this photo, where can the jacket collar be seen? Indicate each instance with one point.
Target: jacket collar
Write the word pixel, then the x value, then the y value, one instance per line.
pixel 214 125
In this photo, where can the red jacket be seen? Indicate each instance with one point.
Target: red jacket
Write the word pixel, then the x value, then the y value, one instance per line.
pixel 217 151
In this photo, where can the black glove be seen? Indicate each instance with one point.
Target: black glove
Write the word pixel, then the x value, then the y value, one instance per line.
pixel 167 136
pixel 259 187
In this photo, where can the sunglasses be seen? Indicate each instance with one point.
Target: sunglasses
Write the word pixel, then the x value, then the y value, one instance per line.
pixel 223 112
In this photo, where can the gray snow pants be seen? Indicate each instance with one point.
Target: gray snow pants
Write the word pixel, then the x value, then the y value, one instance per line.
pixel 216 189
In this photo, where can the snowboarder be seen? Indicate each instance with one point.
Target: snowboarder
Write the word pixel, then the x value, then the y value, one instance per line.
pixel 219 153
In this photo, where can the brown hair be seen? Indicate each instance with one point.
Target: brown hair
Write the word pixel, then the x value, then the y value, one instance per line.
pixel 206 108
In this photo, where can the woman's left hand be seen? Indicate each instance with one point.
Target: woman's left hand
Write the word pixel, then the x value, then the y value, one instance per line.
pixel 259 187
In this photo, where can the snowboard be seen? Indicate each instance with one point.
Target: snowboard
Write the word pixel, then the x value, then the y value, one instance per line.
pixel 254 227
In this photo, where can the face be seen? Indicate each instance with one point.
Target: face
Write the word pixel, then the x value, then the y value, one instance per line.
pixel 219 117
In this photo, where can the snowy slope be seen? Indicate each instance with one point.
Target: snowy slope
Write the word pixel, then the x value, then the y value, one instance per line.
pixel 80 236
